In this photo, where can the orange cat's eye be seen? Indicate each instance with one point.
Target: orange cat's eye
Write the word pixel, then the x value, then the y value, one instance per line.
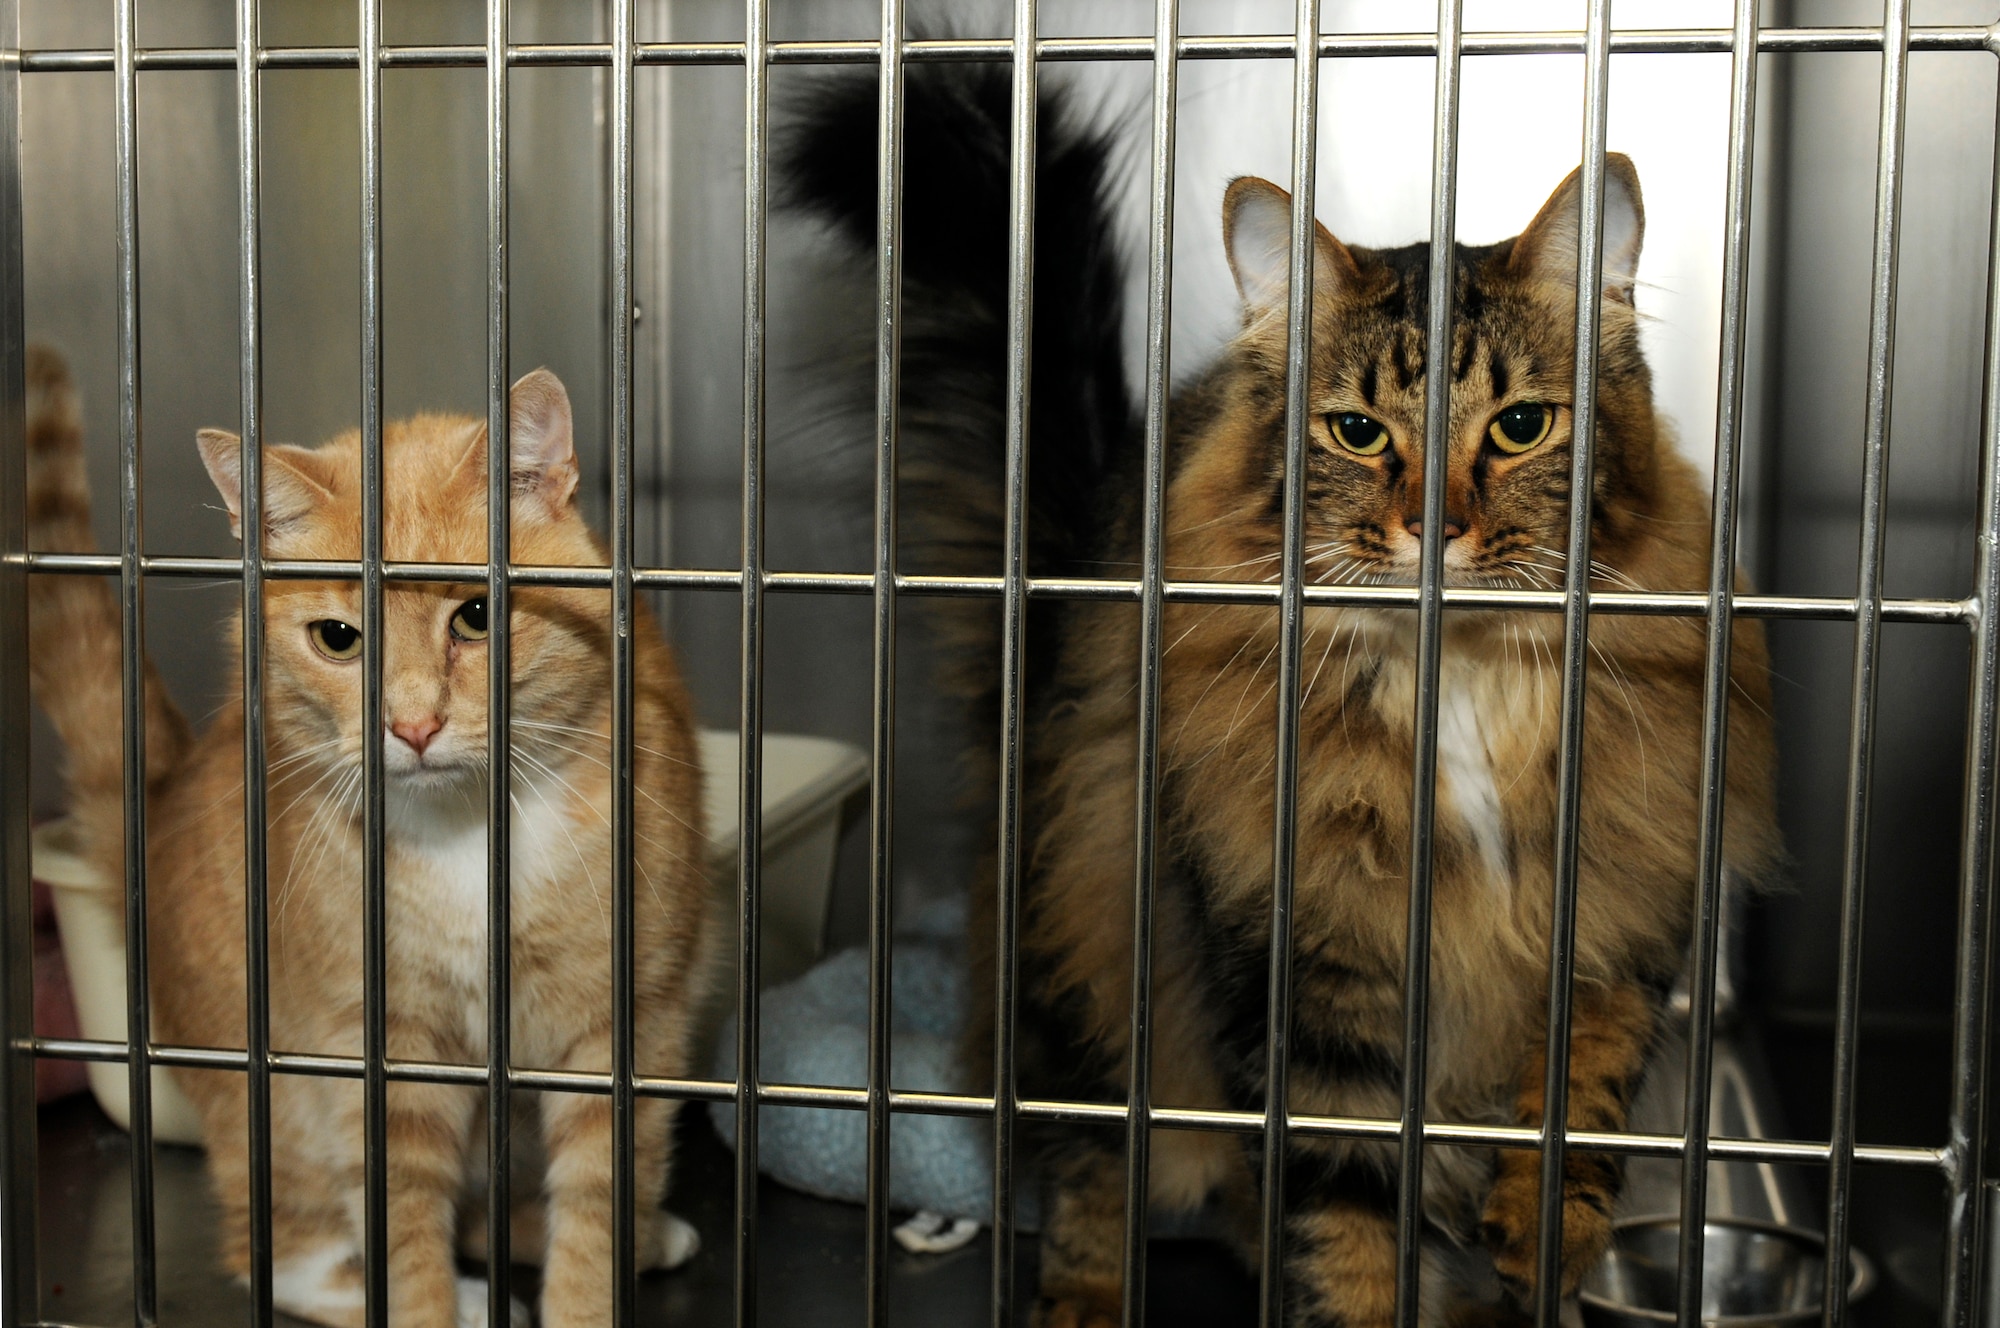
pixel 1358 433
pixel 1519 428
pixel 335 639
pixel 469 623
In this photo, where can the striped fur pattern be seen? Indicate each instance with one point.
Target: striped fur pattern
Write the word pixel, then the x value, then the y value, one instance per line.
pixel 435 691
pixel 1507 459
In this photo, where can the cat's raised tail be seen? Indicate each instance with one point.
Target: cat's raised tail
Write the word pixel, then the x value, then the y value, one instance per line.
pixel 1083 428
pixel 73 621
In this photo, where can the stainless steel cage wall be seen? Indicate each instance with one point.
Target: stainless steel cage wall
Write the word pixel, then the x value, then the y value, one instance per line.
pixel 1959 1163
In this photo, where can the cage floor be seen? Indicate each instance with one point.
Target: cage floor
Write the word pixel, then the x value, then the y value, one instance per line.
pixel 809 1253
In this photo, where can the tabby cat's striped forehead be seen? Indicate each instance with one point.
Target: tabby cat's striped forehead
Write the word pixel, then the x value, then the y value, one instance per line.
pixel 1505 444
pixel 1509 337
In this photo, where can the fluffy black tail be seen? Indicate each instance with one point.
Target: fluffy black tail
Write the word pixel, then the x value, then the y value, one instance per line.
pixel 1082 430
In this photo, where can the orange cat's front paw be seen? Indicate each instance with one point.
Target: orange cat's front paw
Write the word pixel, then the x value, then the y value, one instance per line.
pixel 1511 1227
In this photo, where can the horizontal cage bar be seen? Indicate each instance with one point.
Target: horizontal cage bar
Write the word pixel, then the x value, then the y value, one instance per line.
pixel 1688 41
pixel 1721 1147
pixel 1661 604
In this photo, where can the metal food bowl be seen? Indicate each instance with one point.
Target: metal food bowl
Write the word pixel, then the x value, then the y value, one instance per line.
pixel 1753 1273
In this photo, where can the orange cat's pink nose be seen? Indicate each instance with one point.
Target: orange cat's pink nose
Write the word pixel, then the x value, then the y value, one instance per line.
pixel 1452 527
pixel 417 732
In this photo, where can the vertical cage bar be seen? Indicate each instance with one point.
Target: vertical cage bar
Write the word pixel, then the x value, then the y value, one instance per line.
pixel 624 1091
pixel 882 787
pixel 374 858
pixel 1152 615
pixel 256 774
pixel 1013 640
pixel 750 751
pixel 132 682
pixel 1716 684
pixel 1291 636
pixel 1430 645
pixel 1966 1233
pixel 1575 663
pixel 20 1284
pixel 499 689
pixel 1867 632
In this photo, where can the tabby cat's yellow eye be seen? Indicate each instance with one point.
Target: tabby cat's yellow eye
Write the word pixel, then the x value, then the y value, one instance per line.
pixel 1357 433
pixel 1519 428
pixel 335 639
pixel 469 623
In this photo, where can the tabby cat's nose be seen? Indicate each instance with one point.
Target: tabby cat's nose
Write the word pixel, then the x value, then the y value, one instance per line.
pixel 417 732
pixel 1453 527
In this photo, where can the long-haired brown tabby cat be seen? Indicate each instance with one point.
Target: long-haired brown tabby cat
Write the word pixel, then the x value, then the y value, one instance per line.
pixel 1513 361
pixel 435 693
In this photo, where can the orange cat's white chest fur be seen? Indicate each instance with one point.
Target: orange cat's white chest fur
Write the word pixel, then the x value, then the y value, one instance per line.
pixel 438 861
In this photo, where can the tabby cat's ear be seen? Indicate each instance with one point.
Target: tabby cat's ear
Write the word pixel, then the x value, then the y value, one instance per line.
pixel 290 489
pixel 1547 249
pixel 543 446
pixel 1257 235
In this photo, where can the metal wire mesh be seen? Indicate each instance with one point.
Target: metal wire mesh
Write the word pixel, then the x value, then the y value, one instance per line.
pixel 1958 1163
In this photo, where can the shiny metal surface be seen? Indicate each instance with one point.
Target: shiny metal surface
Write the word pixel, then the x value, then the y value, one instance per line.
pixel 132 649
pixel 499 684
pixel 750 699
pixel 1704 966
pixel 20 1248
pixel 882 700
pixel 624 660
pixel 1575 660
pixel 1025 103
pixel 374 774
pixel 1291 637
pixel 1868 629
pixel 587 317
pixel 256 770
pixel 1430 647
pixel 1152 614
pixel 1755 1273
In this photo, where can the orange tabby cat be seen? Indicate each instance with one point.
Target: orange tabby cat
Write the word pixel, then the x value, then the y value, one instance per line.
pixel 435 693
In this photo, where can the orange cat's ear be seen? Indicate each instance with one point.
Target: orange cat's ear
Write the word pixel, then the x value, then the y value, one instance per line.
pixel 543 446
pixel 290 489
pixel 1257 235
pixel 1547 249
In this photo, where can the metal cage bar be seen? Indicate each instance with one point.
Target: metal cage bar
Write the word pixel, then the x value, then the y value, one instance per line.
pixel 750 771
pixel 624 645
pixel 1430 645
pixel 1965 1213
pixel 948 50
pixel 499 684
pixel 1867 632
pixel 1575 662
pixel 132 654
pixel 256 767
pixel 1958 1161
pixel 1291 640
pixel 20 1253
pixel 1652 603
pixel 374 827
pixel 1013 645
pixel 1152 615
pixel 882 754
pixel 1716 697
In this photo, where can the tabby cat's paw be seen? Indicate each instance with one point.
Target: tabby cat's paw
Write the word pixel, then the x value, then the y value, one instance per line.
pixel 1511 1227
pixel 1076 1311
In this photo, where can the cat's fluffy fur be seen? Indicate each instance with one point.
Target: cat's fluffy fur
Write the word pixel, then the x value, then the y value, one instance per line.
pixel 1513 343
pixel 435 677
